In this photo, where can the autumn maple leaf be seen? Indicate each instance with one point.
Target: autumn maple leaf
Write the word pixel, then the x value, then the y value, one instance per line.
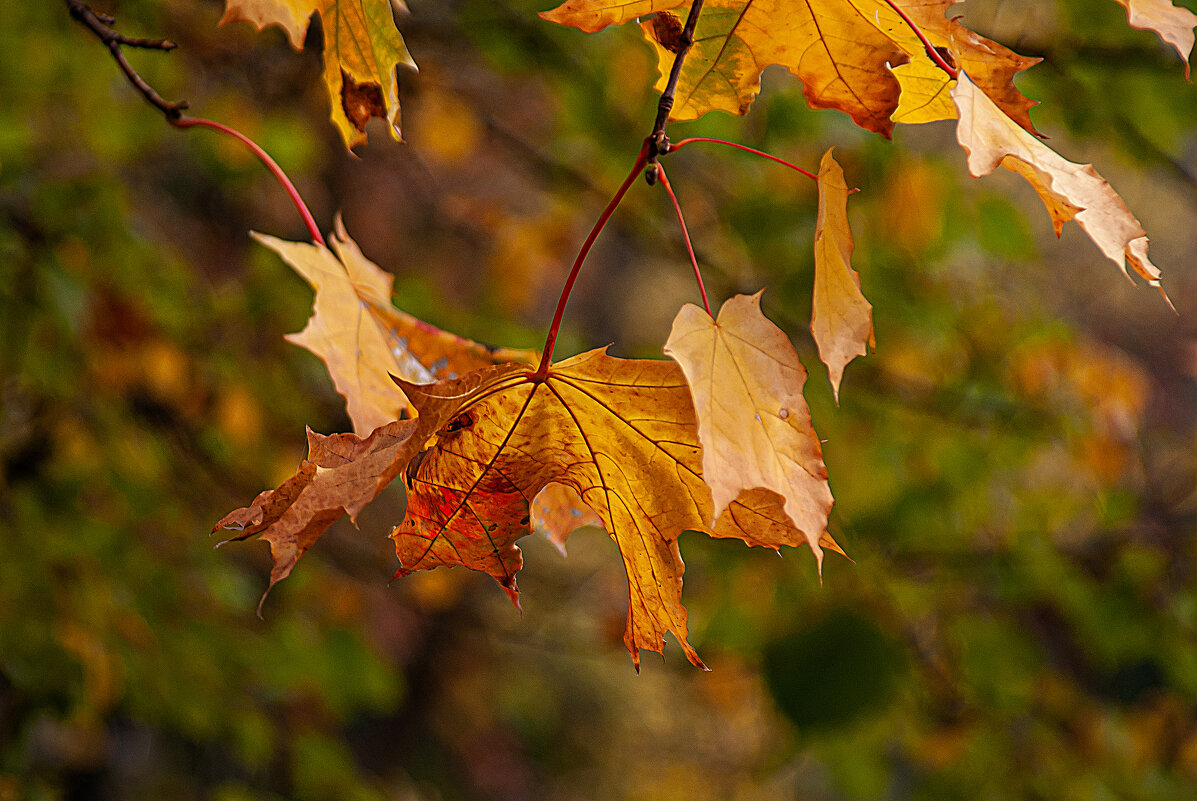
pixel 857 56
pixel 364 340
pixel 621 434
pixel 362 49
pixel 1070 191
pixel 746 383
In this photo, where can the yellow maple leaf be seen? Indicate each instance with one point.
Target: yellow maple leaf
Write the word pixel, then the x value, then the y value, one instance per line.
pixel 841 320
pixel 843 61
pixel 362 49
pixel 925 85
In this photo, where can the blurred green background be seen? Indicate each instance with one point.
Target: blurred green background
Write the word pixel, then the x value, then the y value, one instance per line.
pixel 1015 467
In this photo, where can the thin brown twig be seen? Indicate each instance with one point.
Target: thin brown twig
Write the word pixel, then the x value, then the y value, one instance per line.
pixel 101 26
pixel 665 104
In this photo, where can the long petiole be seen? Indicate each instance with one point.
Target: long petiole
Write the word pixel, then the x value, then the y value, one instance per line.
pixel 551 339
pixel 685 235
pixel 264 157
pixel 679 145
pixel 101 26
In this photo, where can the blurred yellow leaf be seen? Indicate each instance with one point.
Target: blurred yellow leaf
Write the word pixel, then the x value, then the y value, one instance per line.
pixel 362 49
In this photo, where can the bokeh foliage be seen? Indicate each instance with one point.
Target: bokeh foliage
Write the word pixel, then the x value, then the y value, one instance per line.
pixel 1014 467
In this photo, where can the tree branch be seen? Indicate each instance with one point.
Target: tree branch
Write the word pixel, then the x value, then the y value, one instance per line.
pixel 658 142
pixel 101 26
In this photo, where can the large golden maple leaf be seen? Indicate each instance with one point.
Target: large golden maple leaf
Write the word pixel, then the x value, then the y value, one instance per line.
pixel 620 434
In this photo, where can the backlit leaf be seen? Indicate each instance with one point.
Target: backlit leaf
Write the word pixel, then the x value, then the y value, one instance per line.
pixel 925 85
pixel 621 434
pixel 851 55
pixel 841 319
pixel 990 137
pixel 364 340
pixel 754 425
pixel 843 61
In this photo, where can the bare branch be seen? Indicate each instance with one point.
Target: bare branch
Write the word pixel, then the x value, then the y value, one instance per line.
pixel 101 26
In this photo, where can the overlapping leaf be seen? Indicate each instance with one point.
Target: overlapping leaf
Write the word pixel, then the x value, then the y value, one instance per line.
pixel 843 61
pixel 858 56
pixel 621 434
pixel 362 49
pixel 558 511
pixel 746 383
pixel 364 340
pixel 340 475
pixel 925 85
pixel 841 320
pixel 991 139
pixel 1172 24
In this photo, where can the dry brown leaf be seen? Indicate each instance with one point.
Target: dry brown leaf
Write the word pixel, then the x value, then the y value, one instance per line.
pixel 1173 25
pixel 990 137
pixel 362 49
pixel 340 475
pixel 840 319
pixel 746 383
pixel 364 340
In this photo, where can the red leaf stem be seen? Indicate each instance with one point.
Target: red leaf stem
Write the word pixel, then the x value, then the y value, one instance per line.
pixel 264 157
pixel 690 140
pixel 932 53
pixel 685 235
pixel 551 339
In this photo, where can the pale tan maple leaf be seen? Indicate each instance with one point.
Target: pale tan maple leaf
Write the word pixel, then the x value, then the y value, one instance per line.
pixel 364 340
pixel 1172 24
pixel 990 137
pixel 755 427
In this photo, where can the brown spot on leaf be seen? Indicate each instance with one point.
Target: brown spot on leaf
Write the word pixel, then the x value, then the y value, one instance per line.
pixel 667 30
pixel 361 101
pixel 946 55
